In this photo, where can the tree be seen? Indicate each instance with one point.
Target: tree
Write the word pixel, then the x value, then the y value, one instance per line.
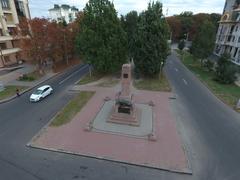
pixel 204 42
pixel 46 40
pixel 102 40
pixel 181 44
pixel 34 40
pixel 226 71
pixel 130 23
pixel 151 47
pixel 186 19
pixel 175 27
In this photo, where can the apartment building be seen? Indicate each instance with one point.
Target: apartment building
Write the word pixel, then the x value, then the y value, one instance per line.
pixel 63 12
pixel 228 35
pixel 10 12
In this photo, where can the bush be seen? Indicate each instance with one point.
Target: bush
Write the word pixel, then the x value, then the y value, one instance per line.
pixel 225 71
pixel 208 65
pixel 181 45
pixel 25 77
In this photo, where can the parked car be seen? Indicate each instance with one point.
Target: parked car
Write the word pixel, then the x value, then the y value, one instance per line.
pixel 41 93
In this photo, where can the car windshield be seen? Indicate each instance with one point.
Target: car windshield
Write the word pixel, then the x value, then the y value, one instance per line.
pixel 37 92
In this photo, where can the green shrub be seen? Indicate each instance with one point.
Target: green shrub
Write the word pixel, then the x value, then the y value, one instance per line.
pixel 209 65
pixel 25 77
pixel 181 45
pixel 225 71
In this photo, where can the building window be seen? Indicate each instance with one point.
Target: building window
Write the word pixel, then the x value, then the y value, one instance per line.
pixel 3 46
pixel 5 4
pixel 233 38
pixel 20 8
pixel 6 59
pixel 235 53
pixel 236 29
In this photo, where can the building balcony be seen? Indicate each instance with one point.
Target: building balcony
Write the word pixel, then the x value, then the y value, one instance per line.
pixel 11 24
pixel 7 11
pixel 5 38
pixel 10 51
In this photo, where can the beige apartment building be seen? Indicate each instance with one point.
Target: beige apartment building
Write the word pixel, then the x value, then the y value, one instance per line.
pixel 228 35
pixel 10 12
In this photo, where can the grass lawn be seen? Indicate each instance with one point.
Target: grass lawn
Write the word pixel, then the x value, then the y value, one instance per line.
pixel 153 84
pixel 10 91
pixel 89 79
pixel 31 76
pixel 109 82
pixel 229 94
pixel 71 109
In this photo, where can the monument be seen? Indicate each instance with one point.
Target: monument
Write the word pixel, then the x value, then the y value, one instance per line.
pixel 124 110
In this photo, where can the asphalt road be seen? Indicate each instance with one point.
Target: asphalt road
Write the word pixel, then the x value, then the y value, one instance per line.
pixel 209 130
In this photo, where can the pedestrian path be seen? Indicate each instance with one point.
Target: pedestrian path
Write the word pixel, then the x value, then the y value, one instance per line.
pixel 31 83
pixel 13 75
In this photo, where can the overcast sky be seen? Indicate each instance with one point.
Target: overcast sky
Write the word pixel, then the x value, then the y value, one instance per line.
pixel 40 8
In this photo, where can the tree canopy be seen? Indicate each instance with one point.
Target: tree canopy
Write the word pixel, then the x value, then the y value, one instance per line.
pixel 130 25
pixel 204 41
pixel 102 40
pixel 188 23
pixel 151 47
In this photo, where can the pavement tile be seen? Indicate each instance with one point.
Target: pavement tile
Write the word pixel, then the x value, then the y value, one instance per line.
pixel 165 153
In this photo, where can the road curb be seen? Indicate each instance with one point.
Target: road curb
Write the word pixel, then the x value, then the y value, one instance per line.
pixel 186 171
pixel 26 90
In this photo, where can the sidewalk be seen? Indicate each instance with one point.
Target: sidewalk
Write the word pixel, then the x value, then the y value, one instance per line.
pixel 13 75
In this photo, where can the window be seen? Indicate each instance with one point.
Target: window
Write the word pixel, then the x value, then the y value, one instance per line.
pixel 45 89
pixel 3 46
pixel 233 38
pixel 235 53
pixel 236 29
pixel 125 76
pixel 239 39
pixel 20 8
pixel 6 59
pixel 5 4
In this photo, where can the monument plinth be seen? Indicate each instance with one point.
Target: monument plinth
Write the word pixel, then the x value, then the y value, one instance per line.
pixel 124 110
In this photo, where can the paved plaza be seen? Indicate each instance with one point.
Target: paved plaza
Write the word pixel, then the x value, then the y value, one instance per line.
pixel 121 143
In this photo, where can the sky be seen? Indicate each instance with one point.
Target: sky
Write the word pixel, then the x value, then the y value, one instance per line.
pixel 39 8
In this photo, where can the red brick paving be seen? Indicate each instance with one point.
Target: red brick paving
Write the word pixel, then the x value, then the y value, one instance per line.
pixel 165 153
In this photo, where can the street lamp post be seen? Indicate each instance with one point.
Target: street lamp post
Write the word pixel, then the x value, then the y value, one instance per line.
pixel 160 72
pixel 1 54
pixel 65 48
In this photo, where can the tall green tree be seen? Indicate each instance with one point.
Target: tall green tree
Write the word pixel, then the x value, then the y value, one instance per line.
pixel 130 23
pixel 204 41
pixel 151 47
pixel 102 40
pixel 186 19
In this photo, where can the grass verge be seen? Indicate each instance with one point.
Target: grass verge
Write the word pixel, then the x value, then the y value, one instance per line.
pixel 89 79
pixel 228 93
pixel 154 84
pixel 71 109
pixel 109 82
pixel 10 91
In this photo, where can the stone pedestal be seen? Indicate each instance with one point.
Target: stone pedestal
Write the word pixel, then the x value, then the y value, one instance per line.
pixel 125 111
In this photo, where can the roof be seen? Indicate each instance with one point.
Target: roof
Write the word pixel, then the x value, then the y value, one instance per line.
pixel 65 6
pixel 43 87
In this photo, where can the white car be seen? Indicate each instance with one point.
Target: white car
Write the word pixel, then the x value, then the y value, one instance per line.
pixel 41 93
